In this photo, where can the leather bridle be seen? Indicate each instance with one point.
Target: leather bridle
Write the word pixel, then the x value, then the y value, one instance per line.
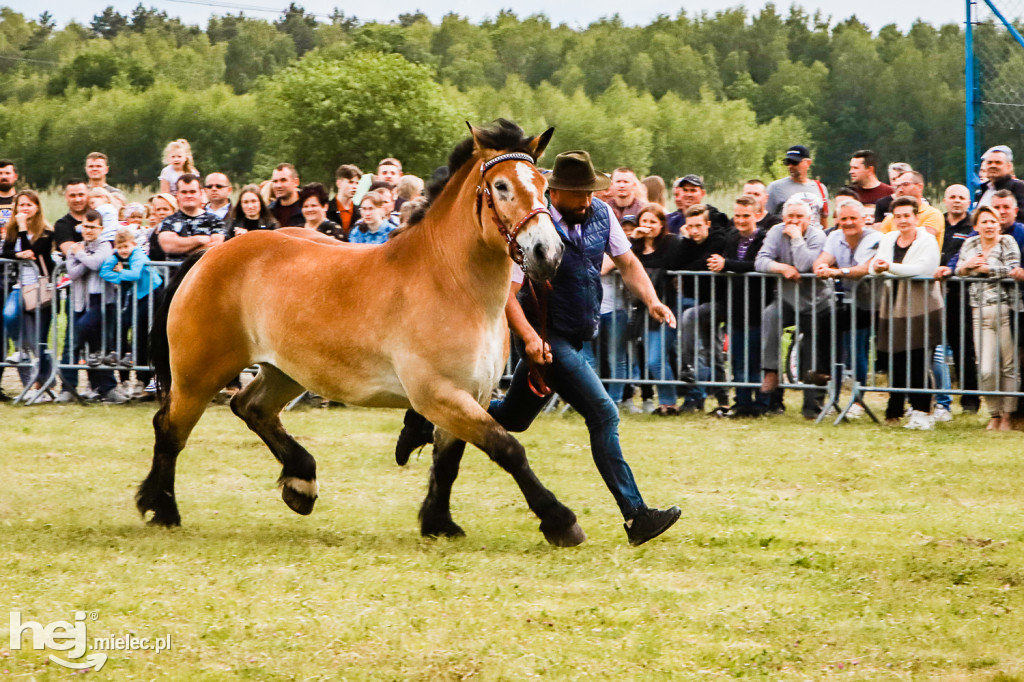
pixel 515 251
pixel 535 377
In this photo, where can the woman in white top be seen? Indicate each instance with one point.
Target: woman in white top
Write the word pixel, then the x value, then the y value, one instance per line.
pixel 910 312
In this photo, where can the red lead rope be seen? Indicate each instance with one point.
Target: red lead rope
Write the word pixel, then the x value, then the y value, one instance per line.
pixel 535 378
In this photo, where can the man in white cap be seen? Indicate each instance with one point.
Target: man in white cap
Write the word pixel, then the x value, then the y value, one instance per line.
pixel 997 165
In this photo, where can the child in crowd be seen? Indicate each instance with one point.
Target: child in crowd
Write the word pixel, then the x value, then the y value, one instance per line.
pixel 140 286
pixel 91 299
pixel 178 157
pixel 133 216
pixel 102 202
pixel 374 226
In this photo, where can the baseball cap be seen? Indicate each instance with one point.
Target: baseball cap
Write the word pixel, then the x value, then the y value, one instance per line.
pixel 691 179
pixel 1000 148
pixel 630 219
pixel 797 153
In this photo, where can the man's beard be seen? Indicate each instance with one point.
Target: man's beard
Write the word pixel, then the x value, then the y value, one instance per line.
pixel 577 216
pixel 6 186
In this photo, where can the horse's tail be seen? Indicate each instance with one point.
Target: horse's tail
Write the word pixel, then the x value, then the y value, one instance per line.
pixel 159 349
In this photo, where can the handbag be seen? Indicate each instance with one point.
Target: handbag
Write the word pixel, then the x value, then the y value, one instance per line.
pixel 40 293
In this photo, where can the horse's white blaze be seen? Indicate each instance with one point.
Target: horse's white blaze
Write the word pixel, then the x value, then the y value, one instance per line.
pixel 307 488
pixel 540 232
pixel 526 175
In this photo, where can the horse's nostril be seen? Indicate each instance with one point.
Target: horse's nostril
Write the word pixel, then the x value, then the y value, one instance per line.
pixel 539 252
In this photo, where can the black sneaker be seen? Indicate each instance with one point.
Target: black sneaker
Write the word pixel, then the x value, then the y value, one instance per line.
pixel 415 434
pixel 649 524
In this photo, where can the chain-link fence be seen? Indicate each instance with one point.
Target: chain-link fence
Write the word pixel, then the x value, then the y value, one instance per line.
pixel 995 89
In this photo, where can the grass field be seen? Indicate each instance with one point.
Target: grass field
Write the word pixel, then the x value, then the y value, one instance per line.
pixel 803 552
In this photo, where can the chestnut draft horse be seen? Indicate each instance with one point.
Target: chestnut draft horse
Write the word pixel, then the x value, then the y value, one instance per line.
pixel 417 322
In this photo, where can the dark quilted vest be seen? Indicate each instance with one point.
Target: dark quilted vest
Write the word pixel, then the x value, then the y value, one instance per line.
pixel 574 304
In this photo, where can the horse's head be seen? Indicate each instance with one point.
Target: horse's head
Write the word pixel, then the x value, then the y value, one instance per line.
pixel 512 208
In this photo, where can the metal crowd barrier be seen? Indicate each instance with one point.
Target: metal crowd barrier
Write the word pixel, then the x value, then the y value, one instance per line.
pixel 59 351
pixel 819 348
pixel 723 321
pixel 20 335
pixel 118 347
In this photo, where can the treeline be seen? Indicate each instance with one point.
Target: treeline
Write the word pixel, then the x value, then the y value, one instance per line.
pixel 722 94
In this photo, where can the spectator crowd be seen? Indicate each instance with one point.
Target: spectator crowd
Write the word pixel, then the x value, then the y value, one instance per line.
pixel 872 255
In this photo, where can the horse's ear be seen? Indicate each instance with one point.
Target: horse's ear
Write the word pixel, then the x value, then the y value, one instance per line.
pixel 475 132
pixel 539 144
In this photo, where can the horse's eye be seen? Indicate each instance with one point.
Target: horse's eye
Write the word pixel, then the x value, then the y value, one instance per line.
pixel 501 186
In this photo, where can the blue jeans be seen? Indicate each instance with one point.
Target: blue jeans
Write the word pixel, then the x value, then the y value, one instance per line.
pixel 28 330
pixel 12 317
pixel 859 360
pixel 101 380
pixel 614 343
pixel 659 364
pixel 745 357
pixel 943 379
pixel 571 376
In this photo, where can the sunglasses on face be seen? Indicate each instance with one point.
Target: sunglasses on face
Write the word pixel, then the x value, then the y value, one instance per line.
pixel 217 186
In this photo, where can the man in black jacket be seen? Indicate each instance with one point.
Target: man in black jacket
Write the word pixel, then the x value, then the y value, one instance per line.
pixel 687 192
pixel 997 163
pixel 700 299
pixel 748 297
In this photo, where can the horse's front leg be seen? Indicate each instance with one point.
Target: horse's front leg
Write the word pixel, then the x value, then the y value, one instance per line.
pixel 455 411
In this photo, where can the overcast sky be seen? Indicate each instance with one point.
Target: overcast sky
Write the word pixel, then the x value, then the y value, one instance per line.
pixel 875 13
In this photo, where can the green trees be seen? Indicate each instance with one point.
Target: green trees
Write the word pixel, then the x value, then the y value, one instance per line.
pixel 720 94
pixel 49 137
pixel 321 112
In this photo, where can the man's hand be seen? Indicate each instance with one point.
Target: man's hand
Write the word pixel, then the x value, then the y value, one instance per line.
pixel 789 271
pixel 662 314
pixel 942 273
pixel 823 270
pixel 716 263
pixel 792 231
pixel 538 351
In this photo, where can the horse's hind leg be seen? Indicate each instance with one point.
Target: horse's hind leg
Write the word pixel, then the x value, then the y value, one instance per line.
pixel 259 405
pixel 172 425
pixel 435 514
pixel 456 412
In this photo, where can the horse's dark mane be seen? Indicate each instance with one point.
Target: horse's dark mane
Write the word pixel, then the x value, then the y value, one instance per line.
pixel 501 135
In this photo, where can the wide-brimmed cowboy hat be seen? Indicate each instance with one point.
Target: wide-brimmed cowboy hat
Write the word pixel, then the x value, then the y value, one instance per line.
pixel 574 171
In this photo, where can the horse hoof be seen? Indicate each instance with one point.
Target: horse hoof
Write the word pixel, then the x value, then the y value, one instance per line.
pixel 568 537
pixel 299 495
pixel 165 521
pixel 448 529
